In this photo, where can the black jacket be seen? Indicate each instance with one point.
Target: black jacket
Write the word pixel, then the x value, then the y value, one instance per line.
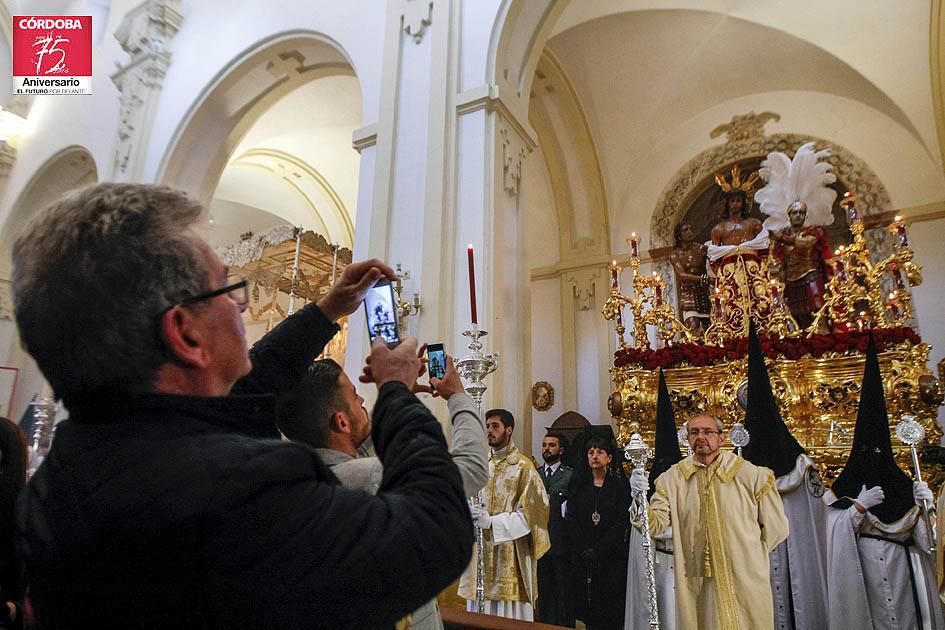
pixel 162 511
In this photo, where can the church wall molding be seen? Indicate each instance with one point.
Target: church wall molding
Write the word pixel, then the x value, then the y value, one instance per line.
pixel 364 137
pixel 937 66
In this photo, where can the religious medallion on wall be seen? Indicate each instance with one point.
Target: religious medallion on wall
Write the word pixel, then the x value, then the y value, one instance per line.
pixel 543 396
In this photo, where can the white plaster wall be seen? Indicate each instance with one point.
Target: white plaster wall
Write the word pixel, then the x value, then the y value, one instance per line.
pixel 929 297
pixel 541 237
pixel 546 365
pixel 587 327
pixel 886 42
pixel 477 20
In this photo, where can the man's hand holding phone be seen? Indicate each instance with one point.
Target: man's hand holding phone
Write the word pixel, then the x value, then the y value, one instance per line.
pixel 349 290
pixel 386 364
pixel 444 387
pixel 450 383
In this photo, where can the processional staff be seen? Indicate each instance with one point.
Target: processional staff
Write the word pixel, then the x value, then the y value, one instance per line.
pixel 638 453
pixel 910 432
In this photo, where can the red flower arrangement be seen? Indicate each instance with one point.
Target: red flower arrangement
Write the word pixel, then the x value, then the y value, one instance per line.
pixel 774 347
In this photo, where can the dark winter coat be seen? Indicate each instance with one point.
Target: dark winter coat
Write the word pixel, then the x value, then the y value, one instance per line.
pixel 161 511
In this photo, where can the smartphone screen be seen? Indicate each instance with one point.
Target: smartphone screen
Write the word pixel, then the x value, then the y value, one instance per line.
pixel 436 360
pixel 380 312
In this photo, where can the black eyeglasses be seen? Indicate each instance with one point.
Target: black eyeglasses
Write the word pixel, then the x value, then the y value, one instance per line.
pixel 237 289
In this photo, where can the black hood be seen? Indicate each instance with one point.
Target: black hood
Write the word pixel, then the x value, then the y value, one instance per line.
pixel 771 444
pixel 667 440
pixel 871 462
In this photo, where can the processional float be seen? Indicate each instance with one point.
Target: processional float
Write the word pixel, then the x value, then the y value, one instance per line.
pixel 815 371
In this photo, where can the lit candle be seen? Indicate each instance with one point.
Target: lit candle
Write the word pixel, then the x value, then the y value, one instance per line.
pixel 614 271
pixel 861 320
pixel 633 245
pixel 657 285
pixel 472 285
pixel 893 306
pixel 900 228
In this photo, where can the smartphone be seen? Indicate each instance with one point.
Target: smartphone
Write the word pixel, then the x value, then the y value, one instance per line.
pixel 436 360
pixel 380 312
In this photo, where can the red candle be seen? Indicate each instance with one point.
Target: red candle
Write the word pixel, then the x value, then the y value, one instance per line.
pixel 472 285
pixel 633 245
pixel 614 270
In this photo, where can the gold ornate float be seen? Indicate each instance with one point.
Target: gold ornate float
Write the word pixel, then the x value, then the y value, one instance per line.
pixel 815 375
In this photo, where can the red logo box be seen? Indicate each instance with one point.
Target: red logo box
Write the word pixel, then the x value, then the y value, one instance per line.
pixel 52 54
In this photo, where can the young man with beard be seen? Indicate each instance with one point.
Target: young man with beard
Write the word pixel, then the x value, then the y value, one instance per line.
pixel 514 520
pixel 326 412
pixel 554 569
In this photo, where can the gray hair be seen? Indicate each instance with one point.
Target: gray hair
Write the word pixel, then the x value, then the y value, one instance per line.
pixel 91 276
pixel 718 423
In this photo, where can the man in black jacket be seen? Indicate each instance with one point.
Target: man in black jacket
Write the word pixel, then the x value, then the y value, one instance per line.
pixel 167 500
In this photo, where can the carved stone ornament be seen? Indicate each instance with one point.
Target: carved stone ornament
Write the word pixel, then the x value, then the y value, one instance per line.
pixel 144 34
pixel 514 152
pixel 583 286
pixel 417 16
pixel 6 300
pixel 543 396
pixel 745 126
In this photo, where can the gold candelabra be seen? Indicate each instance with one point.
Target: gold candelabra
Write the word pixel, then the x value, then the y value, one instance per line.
pixel 854 297
pixel 647 304
pixel 404 308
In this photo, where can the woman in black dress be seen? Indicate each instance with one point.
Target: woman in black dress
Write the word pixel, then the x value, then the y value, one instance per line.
pixel 598 524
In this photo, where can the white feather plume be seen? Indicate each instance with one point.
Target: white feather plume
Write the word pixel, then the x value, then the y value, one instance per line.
pixel 806 178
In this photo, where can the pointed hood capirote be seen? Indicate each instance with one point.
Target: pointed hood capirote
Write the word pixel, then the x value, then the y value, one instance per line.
pixel 771 444
pixel 666 448
pixel 871 462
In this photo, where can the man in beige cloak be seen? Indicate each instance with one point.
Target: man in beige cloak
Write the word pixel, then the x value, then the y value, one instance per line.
pixel 726 517
pixel 514 520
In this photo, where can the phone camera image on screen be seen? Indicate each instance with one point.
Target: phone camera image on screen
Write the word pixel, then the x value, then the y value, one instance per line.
pixel 436 360
pixel 380 313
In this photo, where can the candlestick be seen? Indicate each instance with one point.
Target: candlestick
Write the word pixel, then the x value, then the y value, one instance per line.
pixel 900 228
pixel 848 203
pixel 472 285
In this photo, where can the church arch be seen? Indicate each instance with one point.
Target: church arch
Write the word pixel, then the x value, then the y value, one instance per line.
pixel 678 195
pixel 71 168
pixel 239 95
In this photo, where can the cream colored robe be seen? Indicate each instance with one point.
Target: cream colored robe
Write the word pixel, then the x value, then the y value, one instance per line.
pixel 514 490
pixel 726 519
